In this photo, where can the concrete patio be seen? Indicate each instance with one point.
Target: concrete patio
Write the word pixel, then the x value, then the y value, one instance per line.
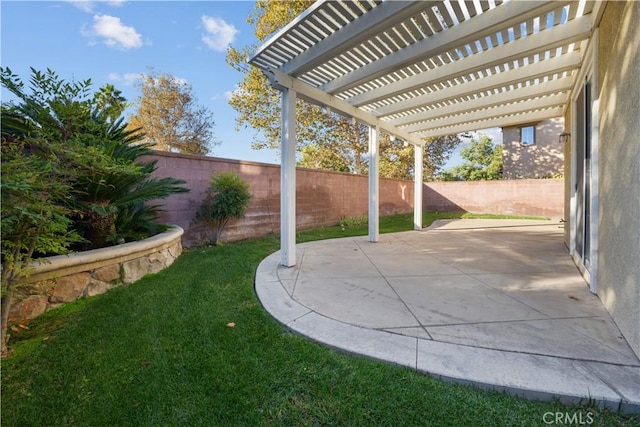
pixel 494 303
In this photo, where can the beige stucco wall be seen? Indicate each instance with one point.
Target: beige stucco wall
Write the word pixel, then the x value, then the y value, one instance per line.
pixel 619 167
pixel 544 159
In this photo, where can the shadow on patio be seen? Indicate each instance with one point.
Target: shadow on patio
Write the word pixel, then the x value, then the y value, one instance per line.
pixel 495 303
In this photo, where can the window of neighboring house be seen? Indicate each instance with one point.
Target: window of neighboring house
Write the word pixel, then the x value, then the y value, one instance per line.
pixel 527 135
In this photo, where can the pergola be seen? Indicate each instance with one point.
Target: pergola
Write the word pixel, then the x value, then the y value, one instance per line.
pixel 420 69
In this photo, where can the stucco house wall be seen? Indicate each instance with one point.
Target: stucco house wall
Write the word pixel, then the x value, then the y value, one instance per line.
pixel 544 159
pixel 619 166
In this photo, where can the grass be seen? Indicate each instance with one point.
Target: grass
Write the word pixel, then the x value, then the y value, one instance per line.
pixel 159 352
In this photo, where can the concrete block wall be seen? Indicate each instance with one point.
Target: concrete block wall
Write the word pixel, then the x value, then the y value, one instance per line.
pixel 537 197
pixel 324 197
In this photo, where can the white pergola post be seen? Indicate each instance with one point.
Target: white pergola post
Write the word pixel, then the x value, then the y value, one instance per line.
pixel 374 164
pixel 288 180
pixel 417 187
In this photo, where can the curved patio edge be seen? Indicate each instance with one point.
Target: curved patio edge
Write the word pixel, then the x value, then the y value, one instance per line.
pixel 535 377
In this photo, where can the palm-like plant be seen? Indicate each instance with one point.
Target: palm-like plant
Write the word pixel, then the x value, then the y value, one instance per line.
pixel 95 152
pixel 111 198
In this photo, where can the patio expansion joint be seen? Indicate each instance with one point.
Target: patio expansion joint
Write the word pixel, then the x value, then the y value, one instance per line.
pixel 506 294
pixel 608 383
pixel 295 280
pixel 546 318
pixel 531 353
pixel 394 291
pixel 288 324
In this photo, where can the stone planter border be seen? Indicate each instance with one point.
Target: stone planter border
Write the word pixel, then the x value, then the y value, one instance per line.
pixel 65 278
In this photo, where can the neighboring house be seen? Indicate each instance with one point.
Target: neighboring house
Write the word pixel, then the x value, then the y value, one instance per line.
pixel 533 150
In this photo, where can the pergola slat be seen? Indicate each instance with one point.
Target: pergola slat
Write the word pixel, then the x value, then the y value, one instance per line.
pixel 492 112
pixel 531 117
pixel 414 121
pixel 558 36
pixel 566 62
pixel 385 15
pixel 453 38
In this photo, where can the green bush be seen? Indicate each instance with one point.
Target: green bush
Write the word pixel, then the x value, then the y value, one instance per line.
pixel 227 198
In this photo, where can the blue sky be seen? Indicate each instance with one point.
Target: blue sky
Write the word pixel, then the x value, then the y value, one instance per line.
pixel 115 41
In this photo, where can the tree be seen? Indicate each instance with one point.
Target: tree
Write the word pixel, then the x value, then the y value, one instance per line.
pixel 397 158
pixel 32 218
pixel 256 102
pixel 316 156
pixel 325 139
pixel 110 101
pixel 170 117
pixel 227 198
pixel 483 161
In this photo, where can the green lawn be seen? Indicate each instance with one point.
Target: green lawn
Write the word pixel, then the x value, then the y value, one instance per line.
pixel 159 352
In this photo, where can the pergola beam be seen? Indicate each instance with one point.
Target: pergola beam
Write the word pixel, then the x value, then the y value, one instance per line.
pixel 550 87
pixel 531 117
pixel 316 96
pixel 558 64
pixel 573 31
pixel 468 31
pixel 367 26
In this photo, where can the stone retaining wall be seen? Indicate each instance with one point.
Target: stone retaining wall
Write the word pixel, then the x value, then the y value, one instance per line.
pixel 65 278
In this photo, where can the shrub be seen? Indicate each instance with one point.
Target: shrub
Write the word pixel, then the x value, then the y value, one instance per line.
pixel 227 198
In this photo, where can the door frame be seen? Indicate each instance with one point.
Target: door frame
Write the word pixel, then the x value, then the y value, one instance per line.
pixel 588 73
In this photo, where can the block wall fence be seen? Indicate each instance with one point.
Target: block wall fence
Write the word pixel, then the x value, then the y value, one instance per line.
pixel 324 197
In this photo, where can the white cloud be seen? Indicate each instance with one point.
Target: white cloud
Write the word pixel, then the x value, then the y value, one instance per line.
pixel 230 93
pixel 114 32
pixel 88 6
pixel 219 34
pixel 128 79
pixel 225 96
